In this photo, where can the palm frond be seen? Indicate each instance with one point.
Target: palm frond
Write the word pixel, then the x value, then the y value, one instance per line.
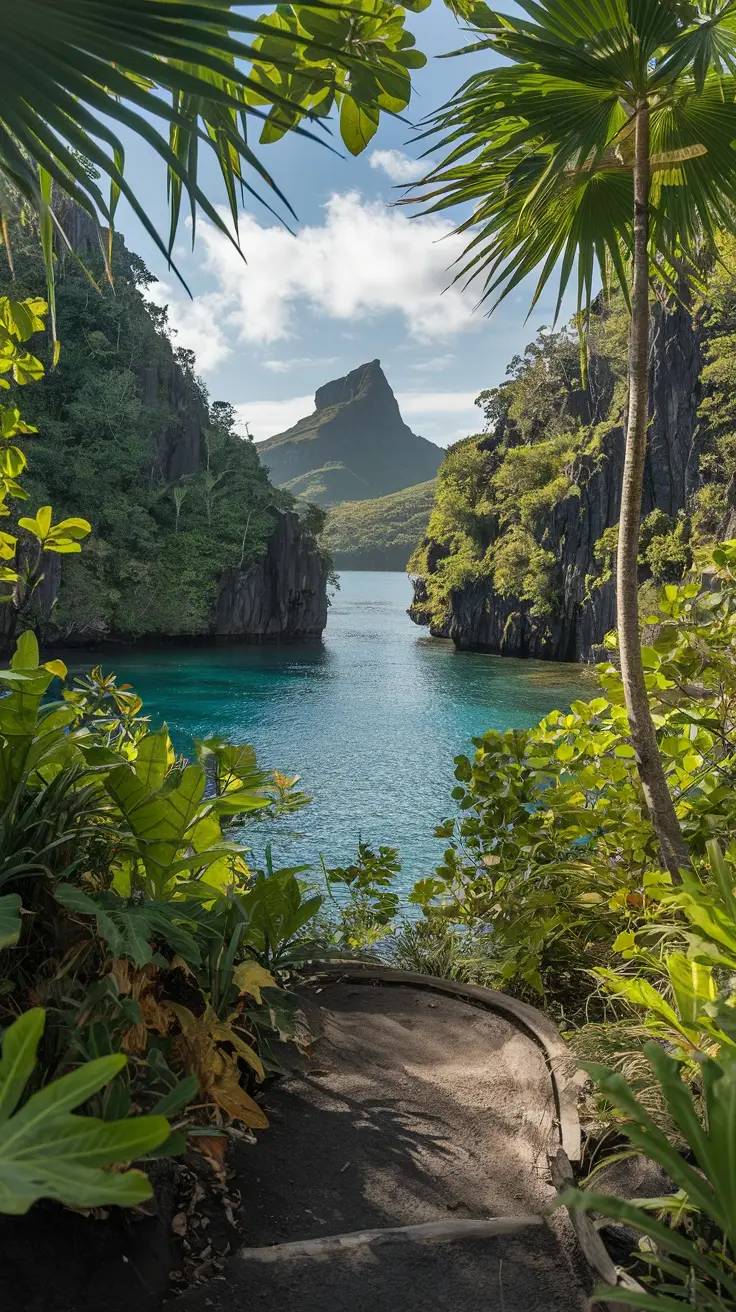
pixel 539 154
pixel 186 78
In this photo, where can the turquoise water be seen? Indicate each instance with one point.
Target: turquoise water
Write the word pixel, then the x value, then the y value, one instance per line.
pixel 370 718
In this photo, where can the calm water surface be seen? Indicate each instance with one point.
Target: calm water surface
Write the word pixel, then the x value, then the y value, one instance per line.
pixel 370 719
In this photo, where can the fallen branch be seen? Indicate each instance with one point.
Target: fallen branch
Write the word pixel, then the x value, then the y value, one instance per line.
pixel 428 1231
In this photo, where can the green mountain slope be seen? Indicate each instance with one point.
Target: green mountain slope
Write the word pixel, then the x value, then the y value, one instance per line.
pixel 380 533
pixel 355 445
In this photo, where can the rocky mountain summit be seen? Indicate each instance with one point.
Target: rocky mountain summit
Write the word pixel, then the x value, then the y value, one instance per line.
pixel 354 446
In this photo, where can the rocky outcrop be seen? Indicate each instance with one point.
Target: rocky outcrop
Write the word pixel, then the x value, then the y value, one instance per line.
pixel 481 620
pixel 178 439
pixel 280 598
pixel 354 446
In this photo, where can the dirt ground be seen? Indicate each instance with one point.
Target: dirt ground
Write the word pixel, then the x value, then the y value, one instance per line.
pixel 414 1107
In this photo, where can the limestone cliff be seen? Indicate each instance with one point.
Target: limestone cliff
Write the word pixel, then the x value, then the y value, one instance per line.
pixel 481 619
pixel 123 433
pixel 281 597
pixel 354 446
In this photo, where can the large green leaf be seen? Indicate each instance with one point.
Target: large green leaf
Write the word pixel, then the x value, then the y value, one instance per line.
pixel 131 929
pixel 46 1151
pixel 10 922
pixel 708 1181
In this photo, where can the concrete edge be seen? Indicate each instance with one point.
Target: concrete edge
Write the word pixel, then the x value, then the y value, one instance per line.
pixel 527 1018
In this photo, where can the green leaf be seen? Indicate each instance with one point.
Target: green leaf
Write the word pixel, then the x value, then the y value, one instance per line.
pixel 358 124
pixel 20 1044
pixel 10 920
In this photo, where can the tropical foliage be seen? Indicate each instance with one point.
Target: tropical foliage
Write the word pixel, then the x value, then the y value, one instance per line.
pixel 131 919
pixel 187 80
pixel 48 1152
pixel 551 887
pixel 601 141
pixel 23 570
pixel 550 824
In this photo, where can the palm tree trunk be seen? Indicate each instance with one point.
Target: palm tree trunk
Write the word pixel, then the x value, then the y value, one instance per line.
pixel 673 851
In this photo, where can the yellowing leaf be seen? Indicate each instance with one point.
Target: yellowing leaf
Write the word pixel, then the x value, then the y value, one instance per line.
pixel 56 667
pixel 251 978
pixel 199 1048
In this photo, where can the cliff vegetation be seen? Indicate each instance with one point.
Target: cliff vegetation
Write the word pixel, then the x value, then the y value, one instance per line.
pixel 126 429
pixel 524 519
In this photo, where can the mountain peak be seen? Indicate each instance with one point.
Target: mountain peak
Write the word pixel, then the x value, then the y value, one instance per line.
pixel 366 378
pixel 354 446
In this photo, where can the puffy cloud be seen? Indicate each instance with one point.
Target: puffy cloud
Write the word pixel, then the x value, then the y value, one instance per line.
pixel 400 167
pixel 297 362
pixel 364 260
pixel 196 324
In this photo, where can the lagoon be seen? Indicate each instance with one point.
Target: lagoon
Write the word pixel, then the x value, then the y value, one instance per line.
pixel 370 718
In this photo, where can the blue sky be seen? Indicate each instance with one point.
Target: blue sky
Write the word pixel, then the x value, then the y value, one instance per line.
pixel 358 280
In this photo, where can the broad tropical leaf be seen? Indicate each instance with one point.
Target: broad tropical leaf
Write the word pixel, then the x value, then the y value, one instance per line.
pixel 46 1151
pixel 698 1274
pixel 10 922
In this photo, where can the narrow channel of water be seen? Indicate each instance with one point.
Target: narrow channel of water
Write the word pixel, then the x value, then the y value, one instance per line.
pixel 370 718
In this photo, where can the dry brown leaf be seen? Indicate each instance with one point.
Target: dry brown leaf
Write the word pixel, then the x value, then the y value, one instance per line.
pixel 178 963
pixel 120 971
pixel 199 1050
pixel 213 1148
pixel 141 983
pixel 179 1223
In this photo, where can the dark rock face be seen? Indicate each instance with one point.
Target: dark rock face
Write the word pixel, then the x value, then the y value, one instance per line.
pixel 355 445
pixel 178 441
pixel 481 620
pixel 280 598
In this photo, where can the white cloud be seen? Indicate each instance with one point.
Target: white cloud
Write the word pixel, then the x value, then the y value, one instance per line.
pixel 436 403
pixel 364 260
pixel 195 324
pixel 443 417
pixel 430 366
pixel 400 167
pixel 299 362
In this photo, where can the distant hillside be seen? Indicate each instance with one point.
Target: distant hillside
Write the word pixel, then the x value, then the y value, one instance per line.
pixel 354 446
pixel 380 533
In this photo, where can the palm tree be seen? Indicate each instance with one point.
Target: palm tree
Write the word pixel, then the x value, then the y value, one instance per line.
pixel 78 71
pixel 179 499
pixel 605 144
